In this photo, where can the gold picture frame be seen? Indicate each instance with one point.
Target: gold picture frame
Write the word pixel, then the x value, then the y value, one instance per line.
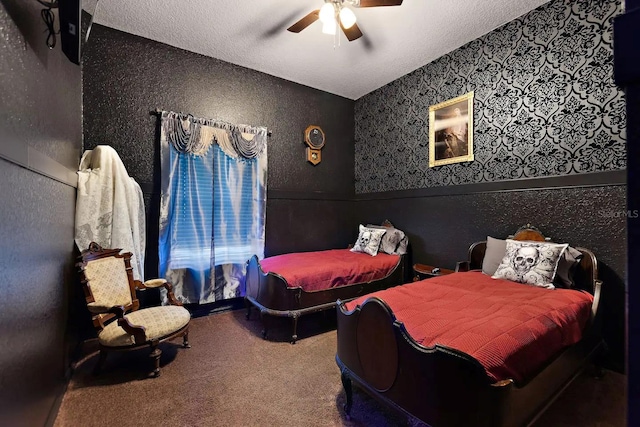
pixel 451 131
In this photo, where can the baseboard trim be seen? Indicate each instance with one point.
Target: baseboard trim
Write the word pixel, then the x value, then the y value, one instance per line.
pixel 595 179
pixel 598 179
pixel 308 195
pixel 57 403
pixel 201 310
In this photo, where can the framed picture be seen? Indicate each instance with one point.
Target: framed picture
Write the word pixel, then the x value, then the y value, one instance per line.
pixel 451 131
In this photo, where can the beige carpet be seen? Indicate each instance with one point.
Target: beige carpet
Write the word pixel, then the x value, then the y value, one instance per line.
pixel 232 377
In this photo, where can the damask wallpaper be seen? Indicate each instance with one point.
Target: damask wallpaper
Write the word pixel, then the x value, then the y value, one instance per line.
pixel 545 104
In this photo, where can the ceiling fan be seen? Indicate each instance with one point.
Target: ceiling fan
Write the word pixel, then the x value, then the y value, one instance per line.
pixel 336 12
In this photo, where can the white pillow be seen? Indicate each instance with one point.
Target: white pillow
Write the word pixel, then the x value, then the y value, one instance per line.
pixel 532 263
pixel 368 240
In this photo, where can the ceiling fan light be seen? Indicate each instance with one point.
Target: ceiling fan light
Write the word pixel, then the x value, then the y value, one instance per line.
pixel 347 17
pixel 327 13
pixel 329 28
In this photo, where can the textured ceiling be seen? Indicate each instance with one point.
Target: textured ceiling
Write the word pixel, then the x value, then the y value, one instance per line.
pixel 252 33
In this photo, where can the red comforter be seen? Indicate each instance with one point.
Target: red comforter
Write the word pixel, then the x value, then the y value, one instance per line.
pixel 315 271
pixel 510 328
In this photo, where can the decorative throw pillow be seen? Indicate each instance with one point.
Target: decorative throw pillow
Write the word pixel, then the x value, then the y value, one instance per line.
pixel 387 223
pixel 368 240
pixel 567 264
pixel 532 263
pixel 394 241
pixel 493 255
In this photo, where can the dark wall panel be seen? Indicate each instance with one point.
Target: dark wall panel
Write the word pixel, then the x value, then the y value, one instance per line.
pixel 40 108
pixel 308 225
pixel 126 76
pixel 36 264
pixel 441 228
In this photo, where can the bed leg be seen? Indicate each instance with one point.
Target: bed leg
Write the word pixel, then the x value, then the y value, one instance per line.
pixel 598 372
pixel 247 304
pixel 598 362
pixel 346 383
pixel 294 335
pixel 263 318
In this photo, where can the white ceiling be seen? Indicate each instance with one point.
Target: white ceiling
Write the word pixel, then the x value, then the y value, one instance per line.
pixel 252 33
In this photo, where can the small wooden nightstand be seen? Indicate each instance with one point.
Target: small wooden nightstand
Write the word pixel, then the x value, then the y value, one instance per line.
pixel 424 271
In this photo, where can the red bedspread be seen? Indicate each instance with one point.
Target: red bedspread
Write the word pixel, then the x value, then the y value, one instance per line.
pixel 315 271
pixel 510 328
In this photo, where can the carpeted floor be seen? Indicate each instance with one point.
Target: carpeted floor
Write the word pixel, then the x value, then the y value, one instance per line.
pixel 232 377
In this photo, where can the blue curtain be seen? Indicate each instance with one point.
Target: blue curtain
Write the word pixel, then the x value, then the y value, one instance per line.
pixel 212 212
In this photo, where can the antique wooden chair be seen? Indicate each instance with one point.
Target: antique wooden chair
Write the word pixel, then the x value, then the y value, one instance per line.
pixel 110 292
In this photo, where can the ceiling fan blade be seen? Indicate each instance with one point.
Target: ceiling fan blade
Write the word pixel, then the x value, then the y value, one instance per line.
pixel 375 3
pixel 352 32
pixel 305 22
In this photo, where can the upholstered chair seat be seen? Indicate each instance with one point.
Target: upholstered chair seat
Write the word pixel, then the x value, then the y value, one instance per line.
pixel 110 292
pixel 157 321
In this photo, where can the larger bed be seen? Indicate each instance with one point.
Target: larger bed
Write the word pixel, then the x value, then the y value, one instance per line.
pixel 466 349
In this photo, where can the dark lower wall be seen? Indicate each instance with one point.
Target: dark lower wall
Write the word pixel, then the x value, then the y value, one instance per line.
pixel 442 226
pixel 36 264
pixel 40 134
pixel 299 223
pixel 126 76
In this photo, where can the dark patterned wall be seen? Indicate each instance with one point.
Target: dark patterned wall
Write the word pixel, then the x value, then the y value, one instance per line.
pixel 40 108
pixel 126 76
pixel 545 104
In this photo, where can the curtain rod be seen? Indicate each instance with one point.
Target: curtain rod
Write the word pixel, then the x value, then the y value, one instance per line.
pixel 158 111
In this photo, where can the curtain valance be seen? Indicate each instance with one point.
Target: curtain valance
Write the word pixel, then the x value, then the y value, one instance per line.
pixel 193 135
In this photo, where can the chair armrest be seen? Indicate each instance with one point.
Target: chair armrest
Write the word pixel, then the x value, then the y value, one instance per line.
pixel 138 332
pixel 157 283
pixel 149 284
pixel 170 296
pixel 117 310
pixel 463 266
pixel 154 283
pixel 98 309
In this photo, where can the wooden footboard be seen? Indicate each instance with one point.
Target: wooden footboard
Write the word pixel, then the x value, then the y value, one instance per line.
pixel 441 386
pixel 271 295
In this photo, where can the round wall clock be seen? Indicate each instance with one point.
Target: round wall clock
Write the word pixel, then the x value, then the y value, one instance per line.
pixel 314 137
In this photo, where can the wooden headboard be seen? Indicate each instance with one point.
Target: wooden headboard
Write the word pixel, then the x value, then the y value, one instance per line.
pixel 585 276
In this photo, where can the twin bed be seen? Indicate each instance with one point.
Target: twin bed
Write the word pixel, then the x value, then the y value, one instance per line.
pixel 296 284
pixel 466 349
pixel 458 349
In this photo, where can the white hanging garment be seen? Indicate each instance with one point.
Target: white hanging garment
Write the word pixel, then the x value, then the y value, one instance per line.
pixel 110 206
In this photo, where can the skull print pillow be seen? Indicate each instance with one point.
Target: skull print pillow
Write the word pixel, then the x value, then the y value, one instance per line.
pixel 368 240
pixel 532 263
